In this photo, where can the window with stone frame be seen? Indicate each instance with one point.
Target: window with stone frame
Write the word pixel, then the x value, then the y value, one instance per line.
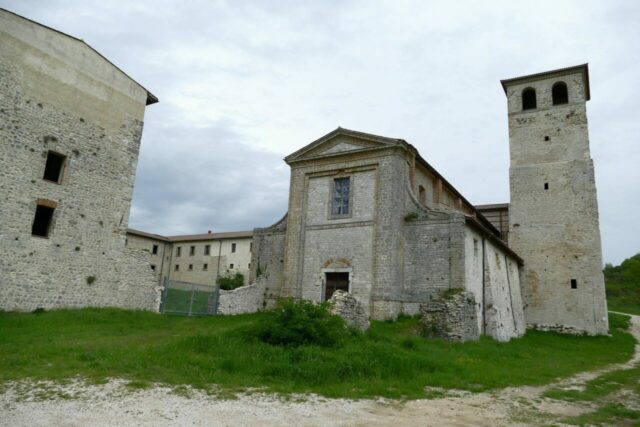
pixel 340 197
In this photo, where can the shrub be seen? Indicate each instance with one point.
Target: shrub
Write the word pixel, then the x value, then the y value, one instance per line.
pixel 295 323
pixel 230 282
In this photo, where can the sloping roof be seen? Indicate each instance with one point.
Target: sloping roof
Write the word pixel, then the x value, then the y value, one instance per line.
pixel 382 140
pixel 145 234
pixel 583 68
pixel 193 237
pixel 211 236
pixel 492 206
pixel 151 98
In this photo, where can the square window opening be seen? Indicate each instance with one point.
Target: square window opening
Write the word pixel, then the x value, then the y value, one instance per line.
pixel 192 251
pixel 190 267
pixel 207 249
pixel 574 284
pixel 153 267
pixel 546 185
pixel 179 251
pixel 53 167
pixel 42 221
pixel 230 266
pixel 177 267
pixel 154 250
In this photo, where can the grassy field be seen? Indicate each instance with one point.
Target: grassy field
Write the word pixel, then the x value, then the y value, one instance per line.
pixel 623 285
pixel 389 360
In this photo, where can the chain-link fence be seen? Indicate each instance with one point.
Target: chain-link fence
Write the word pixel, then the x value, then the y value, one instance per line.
pixel 188 299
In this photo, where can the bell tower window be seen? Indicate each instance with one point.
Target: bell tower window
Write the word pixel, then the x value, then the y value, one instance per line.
pixel 529 99
pixel 560 94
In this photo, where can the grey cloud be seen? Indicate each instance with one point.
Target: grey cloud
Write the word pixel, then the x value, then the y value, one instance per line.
pixel 254 81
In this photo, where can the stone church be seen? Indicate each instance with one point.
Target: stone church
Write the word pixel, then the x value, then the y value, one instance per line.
pixel 369 215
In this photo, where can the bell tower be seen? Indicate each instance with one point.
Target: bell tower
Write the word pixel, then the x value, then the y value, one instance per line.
pixel 553 214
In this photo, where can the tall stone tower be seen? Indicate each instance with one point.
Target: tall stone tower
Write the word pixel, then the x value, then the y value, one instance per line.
pixel 553 215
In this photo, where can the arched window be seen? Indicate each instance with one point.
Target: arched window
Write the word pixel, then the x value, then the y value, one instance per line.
pixel 560 93
pixel 529 99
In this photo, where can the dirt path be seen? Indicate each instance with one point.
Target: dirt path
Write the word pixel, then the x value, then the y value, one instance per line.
pixel 22 404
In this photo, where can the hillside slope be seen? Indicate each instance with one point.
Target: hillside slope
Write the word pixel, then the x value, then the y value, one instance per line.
pixel 623 285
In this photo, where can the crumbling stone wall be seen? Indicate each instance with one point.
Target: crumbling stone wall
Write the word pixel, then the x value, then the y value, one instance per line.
pixel 246 299
pixel 350 309
pixel 452 316
pixel 57 94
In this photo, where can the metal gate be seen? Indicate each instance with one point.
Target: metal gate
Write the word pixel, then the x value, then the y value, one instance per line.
pixel 188 299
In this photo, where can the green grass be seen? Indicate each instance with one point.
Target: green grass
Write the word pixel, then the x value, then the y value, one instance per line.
pixel 623 285
pixel 389 360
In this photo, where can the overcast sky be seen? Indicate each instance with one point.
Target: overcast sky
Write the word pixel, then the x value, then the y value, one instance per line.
pixel 244 83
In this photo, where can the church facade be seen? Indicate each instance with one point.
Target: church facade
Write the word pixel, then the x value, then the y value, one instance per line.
pixel 368 215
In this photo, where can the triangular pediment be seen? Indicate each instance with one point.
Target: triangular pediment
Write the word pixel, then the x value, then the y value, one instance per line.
pixel 342 141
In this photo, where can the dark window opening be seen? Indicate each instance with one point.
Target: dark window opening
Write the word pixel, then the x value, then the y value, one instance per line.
pixel 192 251
pixel 177 267
pixel 233 247
pixel 205 267
pixel 340 200
pixel 574 284
pixel 178 251
pixel 42 221
pixel 231 266
pixel 560 94
pixel 546 185
pixel 250 246
pixel 154 250
pixel 207 249
pixel 190 267
pixel 153 267
pixel 335 282
pixel 529 99
pixel 546 138
pixel 53 167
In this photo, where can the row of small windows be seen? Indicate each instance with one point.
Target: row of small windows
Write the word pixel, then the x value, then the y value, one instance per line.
pixel 559 95
pixel 205 267
pixel 207 249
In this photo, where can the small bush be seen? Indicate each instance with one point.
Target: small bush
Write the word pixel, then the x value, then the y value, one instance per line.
pixel 295 323
pixel 231 282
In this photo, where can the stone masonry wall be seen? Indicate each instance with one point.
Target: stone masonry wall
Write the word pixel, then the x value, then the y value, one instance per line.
pixel 553 212
pixel 452 316
pixel 267 262
pixel 83 261
pixel 246 299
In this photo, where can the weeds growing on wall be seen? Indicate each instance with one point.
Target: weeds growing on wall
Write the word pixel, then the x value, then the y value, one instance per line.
pixel 231 281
